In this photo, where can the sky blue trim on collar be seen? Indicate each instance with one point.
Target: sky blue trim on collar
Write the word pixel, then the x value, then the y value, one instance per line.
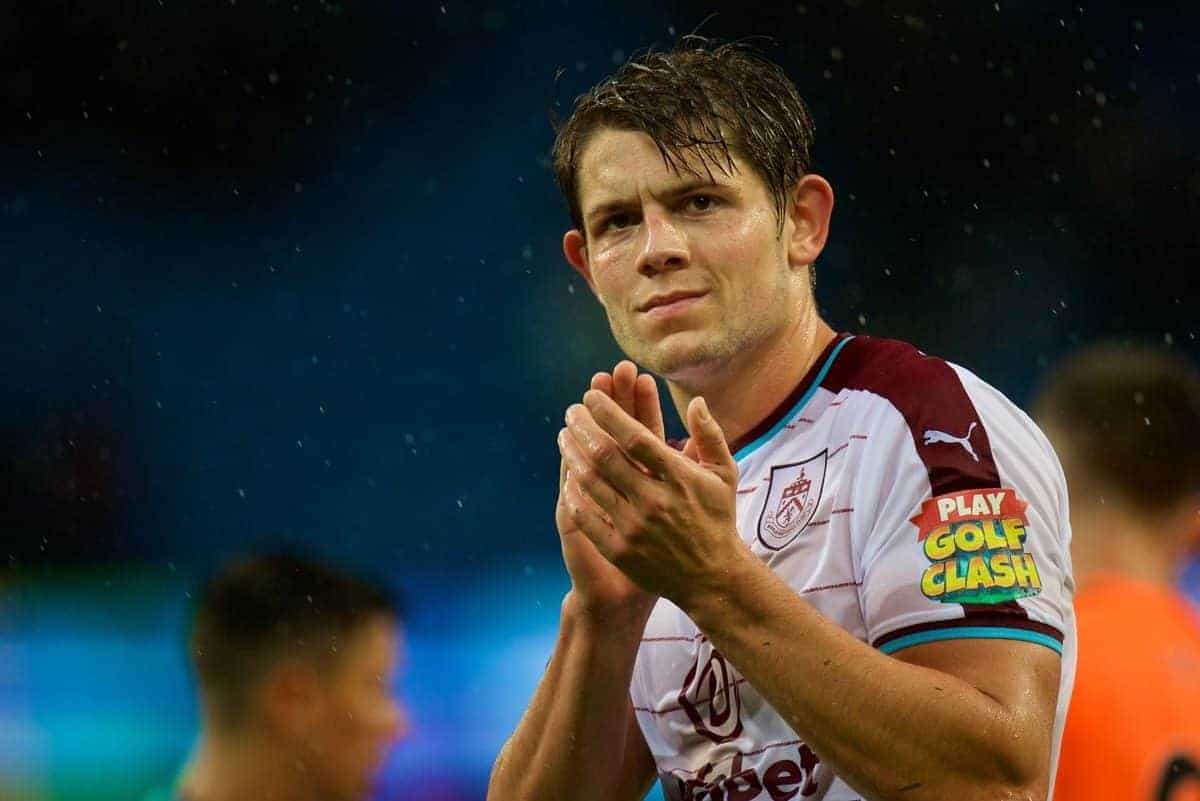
pixel 971 633
pixel 751 447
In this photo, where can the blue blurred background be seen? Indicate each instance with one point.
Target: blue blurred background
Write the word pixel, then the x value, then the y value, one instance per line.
pixel 288 274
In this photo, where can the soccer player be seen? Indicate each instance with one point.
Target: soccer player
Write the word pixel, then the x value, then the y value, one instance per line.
pixel 1126 422
pixel 853 581
pixel 295 664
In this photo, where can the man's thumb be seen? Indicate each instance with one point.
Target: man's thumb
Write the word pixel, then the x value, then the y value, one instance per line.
pixel 707 435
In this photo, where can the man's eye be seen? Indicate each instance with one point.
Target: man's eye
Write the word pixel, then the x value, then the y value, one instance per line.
pixel 618 221
pixel 701 202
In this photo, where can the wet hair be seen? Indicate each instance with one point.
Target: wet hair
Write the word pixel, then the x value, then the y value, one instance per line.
pixel 261 610
pixel 702 100
pixel 1131 417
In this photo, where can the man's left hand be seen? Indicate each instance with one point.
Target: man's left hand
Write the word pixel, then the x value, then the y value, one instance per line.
pixel 673 516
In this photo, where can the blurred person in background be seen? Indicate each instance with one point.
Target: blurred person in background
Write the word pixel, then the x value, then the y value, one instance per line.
pixel 295 664
pixel 1126 423
pixel 853 581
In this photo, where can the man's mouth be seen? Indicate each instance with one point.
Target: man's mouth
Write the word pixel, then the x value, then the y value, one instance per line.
pixel 671 301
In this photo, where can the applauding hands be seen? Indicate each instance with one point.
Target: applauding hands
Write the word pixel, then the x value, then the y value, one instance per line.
pixel 660 520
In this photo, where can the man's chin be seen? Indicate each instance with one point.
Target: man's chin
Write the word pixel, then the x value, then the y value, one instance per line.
pixel 683 361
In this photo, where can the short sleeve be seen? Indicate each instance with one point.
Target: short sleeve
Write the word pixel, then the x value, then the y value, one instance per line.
pixel 967 533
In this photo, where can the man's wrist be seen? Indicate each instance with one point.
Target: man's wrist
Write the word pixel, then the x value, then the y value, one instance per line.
pixel 605 620
pixel 724 588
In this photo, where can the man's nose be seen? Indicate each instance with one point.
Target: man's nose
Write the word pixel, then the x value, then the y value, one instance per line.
pixel 664 247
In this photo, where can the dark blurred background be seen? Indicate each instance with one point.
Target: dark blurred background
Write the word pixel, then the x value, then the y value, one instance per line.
pixel 288 273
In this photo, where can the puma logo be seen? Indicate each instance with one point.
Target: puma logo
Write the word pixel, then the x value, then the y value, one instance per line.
pixel 933 436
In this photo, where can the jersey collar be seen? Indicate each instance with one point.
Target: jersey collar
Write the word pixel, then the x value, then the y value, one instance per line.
pixel 791 406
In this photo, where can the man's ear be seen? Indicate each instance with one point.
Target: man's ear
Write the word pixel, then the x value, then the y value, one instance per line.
pixel 809 211
pixel 574 247
pixel 290 695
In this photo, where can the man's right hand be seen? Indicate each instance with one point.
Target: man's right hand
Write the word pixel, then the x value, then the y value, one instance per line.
pixel 600 589
pixel 580 737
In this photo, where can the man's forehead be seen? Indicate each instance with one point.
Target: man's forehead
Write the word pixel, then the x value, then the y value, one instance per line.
pixel 618 164
pixel 373 639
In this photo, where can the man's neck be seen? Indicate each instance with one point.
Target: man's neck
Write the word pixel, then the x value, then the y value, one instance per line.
pixel 1121 542
pixel 745 390
pixel 232 768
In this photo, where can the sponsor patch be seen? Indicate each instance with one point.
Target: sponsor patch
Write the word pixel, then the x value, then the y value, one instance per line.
pixel 975 543
pixel 792 497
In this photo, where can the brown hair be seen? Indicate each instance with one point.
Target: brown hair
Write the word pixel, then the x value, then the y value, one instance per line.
pixel 711 100
pixel 264 609
pixel 1131 416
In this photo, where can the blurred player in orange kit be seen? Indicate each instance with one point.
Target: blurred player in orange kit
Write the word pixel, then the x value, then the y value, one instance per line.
pixel 1126 425
pixel 295 664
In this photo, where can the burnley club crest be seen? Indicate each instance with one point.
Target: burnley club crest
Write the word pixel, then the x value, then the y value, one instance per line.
pixel 792 498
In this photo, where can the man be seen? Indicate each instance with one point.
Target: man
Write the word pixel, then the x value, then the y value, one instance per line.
pixel 853 582
pixel 1126 422
pixel 295 664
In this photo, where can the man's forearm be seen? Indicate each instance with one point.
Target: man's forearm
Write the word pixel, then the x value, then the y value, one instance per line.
pixel 889 728
pixel 570 742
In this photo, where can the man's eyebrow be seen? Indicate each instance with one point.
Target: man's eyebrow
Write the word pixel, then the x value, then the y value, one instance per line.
pixel 672 193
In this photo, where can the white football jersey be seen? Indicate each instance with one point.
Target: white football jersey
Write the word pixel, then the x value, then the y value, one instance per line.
pixel 904 499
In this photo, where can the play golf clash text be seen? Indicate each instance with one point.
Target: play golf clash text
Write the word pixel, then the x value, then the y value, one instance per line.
pixel 975 543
